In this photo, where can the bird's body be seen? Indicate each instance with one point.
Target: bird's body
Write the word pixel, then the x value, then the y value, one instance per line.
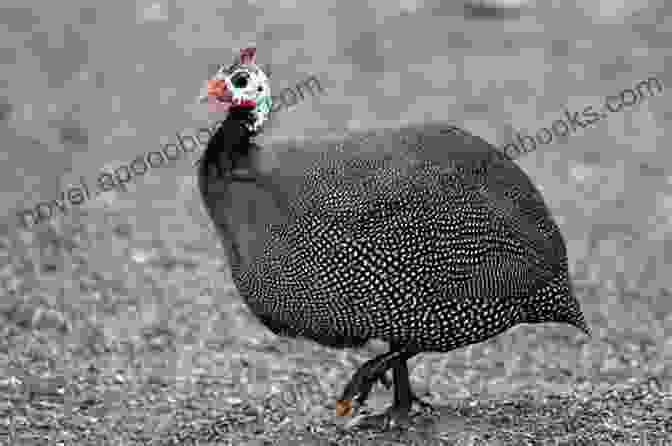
pixel 422 236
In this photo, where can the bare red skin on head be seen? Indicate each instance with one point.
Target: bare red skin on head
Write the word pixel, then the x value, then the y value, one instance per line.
pixel 220 97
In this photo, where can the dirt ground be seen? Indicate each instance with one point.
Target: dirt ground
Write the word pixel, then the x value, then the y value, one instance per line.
pixel 119 323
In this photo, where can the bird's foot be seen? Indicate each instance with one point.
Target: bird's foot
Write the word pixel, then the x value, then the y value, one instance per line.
pixel 424 405
pixel 392 418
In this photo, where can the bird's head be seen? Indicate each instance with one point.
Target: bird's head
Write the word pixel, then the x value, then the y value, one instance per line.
pixel 242 90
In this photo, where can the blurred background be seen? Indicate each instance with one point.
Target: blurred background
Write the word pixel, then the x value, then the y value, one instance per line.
pixel 87 85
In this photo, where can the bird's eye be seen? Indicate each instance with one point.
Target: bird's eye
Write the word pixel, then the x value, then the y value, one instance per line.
pixel 239 80
pixel 260 88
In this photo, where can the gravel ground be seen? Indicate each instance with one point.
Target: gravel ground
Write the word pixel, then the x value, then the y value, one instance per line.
pixel 159 356
pixel 119 323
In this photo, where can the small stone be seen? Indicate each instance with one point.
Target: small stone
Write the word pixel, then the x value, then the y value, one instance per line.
pixel 45 319
pixel 343 408
pixel 233 400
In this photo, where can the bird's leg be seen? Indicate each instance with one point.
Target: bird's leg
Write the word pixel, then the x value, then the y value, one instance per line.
pixel 359 386
pixel 404 396
pixel 398 414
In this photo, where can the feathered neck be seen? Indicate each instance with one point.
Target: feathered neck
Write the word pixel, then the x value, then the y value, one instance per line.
pixel 231 142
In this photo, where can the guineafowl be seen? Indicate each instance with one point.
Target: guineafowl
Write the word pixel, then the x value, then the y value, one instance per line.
pixel 423 236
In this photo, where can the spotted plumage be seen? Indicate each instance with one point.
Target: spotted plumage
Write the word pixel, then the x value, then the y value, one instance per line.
pixel 424 236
